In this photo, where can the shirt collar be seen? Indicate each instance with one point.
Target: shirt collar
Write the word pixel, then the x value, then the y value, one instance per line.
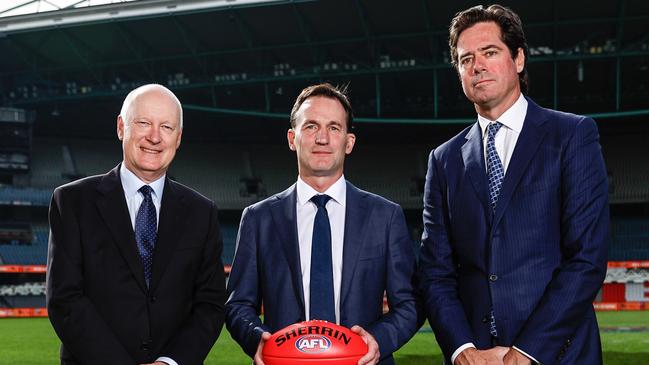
pixel 512 118
pixel 337 191
pixel 131 183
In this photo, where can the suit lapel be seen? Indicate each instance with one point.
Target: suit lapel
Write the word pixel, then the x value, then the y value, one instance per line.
pixel 284 216
pixel 112 208
pixel 528 143
pixel 356 215
pixel 473 156
pixel 172 217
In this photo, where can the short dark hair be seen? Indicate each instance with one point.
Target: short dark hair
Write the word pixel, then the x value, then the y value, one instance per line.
pixel 511 32
pixel 329 91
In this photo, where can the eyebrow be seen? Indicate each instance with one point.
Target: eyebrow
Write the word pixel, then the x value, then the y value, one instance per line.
pixel 489 46
pixel 331 122
pixel 481 49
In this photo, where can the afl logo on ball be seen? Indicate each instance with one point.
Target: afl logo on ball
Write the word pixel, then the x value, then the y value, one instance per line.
pixel 313 344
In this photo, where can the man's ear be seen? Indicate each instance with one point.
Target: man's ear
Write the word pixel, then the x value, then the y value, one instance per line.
pixel 351 140
pixel 290 136
pixel 520 60
pixel 120 128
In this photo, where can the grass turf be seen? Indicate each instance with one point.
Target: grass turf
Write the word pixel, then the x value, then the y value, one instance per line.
pixel 31 341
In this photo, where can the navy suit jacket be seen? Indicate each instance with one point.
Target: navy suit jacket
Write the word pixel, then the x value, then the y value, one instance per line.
pixel 97 298
pixel 377 257
pixel 538 261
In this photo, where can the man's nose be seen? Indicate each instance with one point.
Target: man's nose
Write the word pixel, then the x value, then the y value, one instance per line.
pixel 154 134
pixel 322 137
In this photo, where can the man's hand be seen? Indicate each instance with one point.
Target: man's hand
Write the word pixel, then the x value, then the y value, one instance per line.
pixel 156 363
pixel 373 354
pixel 514 357
pixel 258 359
pixel 473 356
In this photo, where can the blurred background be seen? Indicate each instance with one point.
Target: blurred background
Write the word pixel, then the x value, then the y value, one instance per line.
pixel 237 66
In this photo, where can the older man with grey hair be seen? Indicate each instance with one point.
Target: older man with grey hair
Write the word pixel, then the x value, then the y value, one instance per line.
pixel 134 274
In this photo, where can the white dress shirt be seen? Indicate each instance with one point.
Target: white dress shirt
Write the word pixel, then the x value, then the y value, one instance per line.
pixel 131 184
pixel 306 211
pixel 507 136
pixel 505 140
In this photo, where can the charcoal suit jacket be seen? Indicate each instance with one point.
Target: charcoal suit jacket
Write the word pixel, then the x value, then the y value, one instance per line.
pixel 97 298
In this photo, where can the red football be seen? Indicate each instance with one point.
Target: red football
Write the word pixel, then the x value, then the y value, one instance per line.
pixel 314 342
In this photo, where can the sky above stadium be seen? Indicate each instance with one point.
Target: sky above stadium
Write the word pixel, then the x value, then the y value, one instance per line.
pixel 21 7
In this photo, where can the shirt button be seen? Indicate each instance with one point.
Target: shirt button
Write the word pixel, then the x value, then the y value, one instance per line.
pixel 493 277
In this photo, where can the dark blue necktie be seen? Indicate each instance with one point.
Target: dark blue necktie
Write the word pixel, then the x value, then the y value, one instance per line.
pixel 146 231
pixel 495 171
pixel 496 174
pixel 322 282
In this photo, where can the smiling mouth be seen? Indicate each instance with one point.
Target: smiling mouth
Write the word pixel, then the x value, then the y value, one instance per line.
pixel 148 150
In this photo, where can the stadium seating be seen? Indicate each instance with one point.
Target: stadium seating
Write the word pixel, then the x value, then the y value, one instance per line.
pixel 10 195
pixel 31 253
pixel 630 239
pixel 626 158
pixel 222 172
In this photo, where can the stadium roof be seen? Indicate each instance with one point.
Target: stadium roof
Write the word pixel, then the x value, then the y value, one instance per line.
pixel 27 15
pixel 21 7
pixel 236 62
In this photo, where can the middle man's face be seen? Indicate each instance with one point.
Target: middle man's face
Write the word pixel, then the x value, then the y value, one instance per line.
pixel 320 138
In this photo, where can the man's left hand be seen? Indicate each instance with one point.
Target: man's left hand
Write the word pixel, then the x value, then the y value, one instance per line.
pixel 513 357
pixel 373 355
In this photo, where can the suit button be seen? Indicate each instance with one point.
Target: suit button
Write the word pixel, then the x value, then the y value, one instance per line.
pixel 144 346
pixel 485 319
pixel 493 277
pixel 153 298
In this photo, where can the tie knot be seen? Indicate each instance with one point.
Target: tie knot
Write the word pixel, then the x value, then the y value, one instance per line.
pixel 493 128
pixel 146 191
pixel 320 200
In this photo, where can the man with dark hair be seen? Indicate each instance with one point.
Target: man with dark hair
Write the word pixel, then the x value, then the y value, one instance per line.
pixel 323 249
pixel 515 214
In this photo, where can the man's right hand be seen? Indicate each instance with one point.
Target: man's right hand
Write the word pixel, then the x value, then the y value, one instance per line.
pixel 258 358
pixel 473 356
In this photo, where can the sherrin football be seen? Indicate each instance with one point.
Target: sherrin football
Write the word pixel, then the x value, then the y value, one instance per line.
pixel 314 342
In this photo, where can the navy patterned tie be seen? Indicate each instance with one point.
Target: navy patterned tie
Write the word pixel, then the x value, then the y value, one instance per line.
pixel 146 231
pixel 496 174
pixel 321 288
pixel 495 171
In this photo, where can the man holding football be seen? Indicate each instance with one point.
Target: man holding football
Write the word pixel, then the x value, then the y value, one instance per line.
pixel 323 249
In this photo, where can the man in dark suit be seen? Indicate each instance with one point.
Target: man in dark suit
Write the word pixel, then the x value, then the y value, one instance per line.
pixel 134 273
pixel 515 214
pixel 280 262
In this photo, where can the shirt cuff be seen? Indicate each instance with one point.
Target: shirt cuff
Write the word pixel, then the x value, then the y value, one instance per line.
pixel 167 360
pixel 460 349
pixel 534 361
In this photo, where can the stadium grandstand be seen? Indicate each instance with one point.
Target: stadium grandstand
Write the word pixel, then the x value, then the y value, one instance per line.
pixel 237 65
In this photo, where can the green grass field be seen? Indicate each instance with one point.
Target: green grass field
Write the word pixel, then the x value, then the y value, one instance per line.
pixel 31 341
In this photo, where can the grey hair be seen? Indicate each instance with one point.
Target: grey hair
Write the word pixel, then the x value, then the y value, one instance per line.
pixel 126 105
